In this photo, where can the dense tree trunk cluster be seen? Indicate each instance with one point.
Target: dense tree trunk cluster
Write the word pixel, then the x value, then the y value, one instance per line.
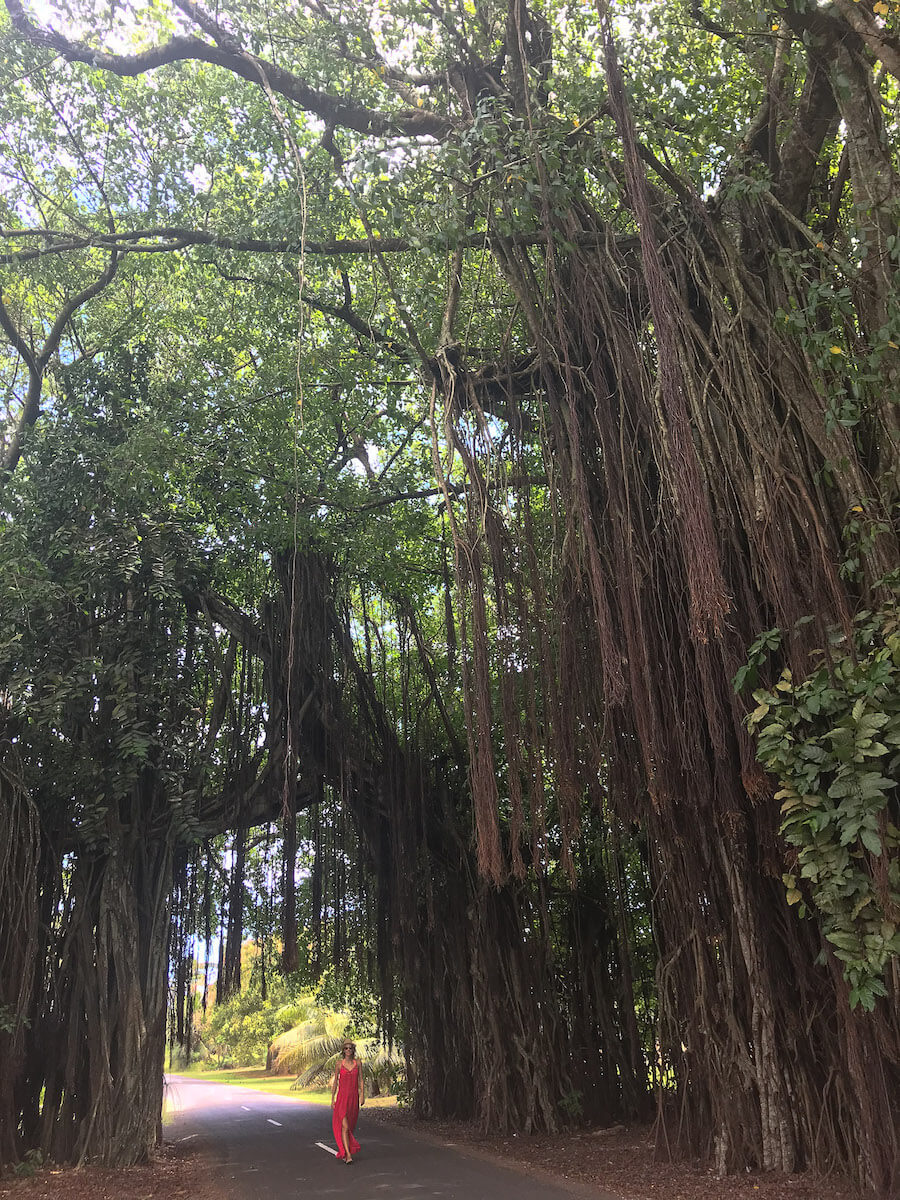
pixel 81 1078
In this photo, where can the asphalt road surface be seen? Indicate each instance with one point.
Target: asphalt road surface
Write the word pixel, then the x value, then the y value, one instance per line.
pixel 264 1147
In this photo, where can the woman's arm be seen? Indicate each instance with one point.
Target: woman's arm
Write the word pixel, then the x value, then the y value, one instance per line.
pixel 362 1087
pixel 334 1083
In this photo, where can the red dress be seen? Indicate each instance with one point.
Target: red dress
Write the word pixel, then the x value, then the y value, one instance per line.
pixel 346 1104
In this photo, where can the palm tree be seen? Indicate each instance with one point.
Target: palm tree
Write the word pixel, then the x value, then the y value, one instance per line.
pixel 313 1048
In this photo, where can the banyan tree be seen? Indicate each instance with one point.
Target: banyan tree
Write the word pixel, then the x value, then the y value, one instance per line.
pixel 571 477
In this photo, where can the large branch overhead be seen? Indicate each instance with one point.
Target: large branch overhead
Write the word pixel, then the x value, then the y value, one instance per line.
pixel 228 54
pixel 231 618
pixel 159 239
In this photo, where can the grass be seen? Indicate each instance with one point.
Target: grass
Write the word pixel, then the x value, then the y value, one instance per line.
pixel 278 1085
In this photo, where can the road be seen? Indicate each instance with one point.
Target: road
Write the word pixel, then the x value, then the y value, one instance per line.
pixel 264 1147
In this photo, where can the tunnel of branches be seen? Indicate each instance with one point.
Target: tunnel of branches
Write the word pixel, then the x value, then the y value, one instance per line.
pixel 534 817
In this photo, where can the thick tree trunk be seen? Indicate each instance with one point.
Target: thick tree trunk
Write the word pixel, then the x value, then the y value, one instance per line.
pixel 229 983
pixel 90 1086
pixel 19 850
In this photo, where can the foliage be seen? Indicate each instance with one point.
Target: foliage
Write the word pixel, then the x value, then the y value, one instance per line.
pixel 312 1052
pixel 9 1022
pixel 238 1031
pixel 294 1034
pixel 30 1165
pixel 90 606
pixel 833 741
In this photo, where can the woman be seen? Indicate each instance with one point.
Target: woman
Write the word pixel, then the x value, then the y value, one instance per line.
pixel 348 1095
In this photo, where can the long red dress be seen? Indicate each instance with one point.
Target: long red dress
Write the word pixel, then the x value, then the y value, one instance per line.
pixel 346 1104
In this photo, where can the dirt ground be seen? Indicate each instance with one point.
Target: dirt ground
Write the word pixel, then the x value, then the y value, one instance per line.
pixel 619 1160
pixel 623 1161
pixel 175 1174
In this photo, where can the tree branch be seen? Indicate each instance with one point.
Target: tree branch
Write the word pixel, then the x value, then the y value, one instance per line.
pixel 174 237
pixel 222 612
pixel 357 323
pixel 341 312
pixel 229 55
pixel 714 27
pixel 71 307
pixel 885 46
pixel 818 116
pixel 37 363
pixel 32 404
pixel 16 340
pixel 177 238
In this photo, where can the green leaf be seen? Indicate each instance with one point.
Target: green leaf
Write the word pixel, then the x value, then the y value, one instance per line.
pixel 870 840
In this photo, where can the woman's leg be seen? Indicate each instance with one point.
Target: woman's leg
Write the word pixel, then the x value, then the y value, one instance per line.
pixel 336 1118
pixel 345 1138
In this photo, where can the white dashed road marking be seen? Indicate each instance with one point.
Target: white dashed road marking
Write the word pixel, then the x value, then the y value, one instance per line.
pixel 271 1122
pixel 245 1108
pixel 328 1148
